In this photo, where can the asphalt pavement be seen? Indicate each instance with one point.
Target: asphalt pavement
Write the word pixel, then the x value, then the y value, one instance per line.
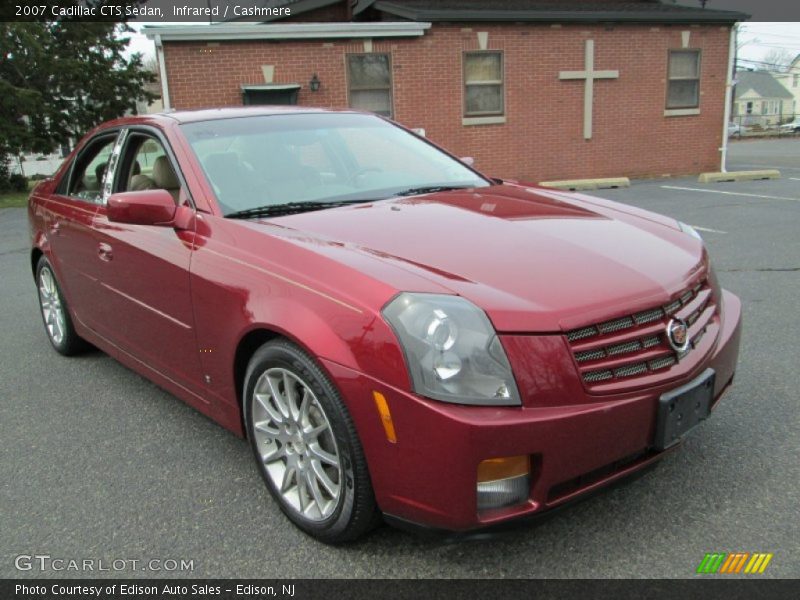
pixel 98 463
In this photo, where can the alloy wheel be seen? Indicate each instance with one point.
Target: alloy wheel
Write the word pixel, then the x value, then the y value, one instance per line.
pixel 52 308
pixel 295 442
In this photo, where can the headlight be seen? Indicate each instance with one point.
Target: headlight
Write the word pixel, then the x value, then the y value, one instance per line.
pixel 688 229
pixel 452 350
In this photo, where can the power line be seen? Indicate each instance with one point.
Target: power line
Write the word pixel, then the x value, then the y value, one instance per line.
pixel 769 64
pixel 766 67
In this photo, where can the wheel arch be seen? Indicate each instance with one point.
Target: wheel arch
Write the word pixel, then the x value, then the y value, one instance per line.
pixel 36 254
pixel 248 344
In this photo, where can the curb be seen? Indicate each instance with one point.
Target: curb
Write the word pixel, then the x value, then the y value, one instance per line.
pixel 588 184
pixel 739 176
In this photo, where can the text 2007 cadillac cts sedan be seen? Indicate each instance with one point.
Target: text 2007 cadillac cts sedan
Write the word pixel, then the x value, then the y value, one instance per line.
pixel 396 334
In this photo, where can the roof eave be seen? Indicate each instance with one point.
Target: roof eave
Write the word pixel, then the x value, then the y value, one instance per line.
pixel 688 16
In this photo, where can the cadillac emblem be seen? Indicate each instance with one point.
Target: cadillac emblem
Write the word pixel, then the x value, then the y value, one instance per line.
pixel 678 335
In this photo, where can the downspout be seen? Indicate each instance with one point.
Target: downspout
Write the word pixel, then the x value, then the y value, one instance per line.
pixel 728 97
pixel 162 66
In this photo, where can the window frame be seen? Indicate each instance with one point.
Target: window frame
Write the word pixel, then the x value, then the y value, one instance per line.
pixel 351 89
pixel 699 54
pixel 501 83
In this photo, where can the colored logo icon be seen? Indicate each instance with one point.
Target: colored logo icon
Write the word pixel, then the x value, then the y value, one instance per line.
pixel 735 563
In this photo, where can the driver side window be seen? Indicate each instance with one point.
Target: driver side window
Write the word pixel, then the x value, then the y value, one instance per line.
pixel 148 167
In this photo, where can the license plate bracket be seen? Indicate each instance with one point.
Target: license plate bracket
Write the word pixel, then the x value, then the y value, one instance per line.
pixel 681 409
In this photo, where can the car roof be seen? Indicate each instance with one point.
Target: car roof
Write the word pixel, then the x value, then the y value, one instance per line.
pixel 214 114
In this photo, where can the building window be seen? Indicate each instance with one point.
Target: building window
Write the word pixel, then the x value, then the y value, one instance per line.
pixel 483 84
pixel 369 78
pixel 795 79
pixel 749 108
pixel 683 89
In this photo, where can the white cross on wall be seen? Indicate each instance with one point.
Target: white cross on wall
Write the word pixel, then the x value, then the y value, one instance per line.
pixel 588 92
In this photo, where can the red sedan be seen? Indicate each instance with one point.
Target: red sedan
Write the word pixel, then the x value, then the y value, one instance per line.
pixel 395 333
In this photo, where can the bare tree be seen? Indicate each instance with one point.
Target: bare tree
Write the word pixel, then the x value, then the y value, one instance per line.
pixel 778 59
pixel 149 63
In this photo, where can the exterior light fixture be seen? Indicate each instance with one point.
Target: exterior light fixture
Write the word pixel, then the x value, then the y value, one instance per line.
pixel 314 83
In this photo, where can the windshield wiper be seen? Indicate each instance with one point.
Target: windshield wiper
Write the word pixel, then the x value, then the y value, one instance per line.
pixel 432 189
pixel 287 208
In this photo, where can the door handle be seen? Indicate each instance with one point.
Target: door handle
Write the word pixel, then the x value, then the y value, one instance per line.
pixel 55 228
pixel 104 251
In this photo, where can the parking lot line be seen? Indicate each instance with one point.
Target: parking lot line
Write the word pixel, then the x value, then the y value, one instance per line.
pixel 708 229
pixel 758 166
pixel 688 189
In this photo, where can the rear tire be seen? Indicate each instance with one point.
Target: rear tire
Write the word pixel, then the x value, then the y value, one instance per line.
pixel 55 313
pixel 306 446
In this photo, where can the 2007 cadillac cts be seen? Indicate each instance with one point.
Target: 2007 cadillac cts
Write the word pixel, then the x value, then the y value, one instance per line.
pixel 396 334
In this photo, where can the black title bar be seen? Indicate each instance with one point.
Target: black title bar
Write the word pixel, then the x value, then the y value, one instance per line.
pixel 705 588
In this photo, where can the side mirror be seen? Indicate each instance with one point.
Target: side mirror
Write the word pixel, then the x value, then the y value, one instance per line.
pixel 468 160
pixel 148 207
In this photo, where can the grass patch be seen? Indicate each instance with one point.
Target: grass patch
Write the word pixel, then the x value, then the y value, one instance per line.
pixel 16 199
pixel 13 199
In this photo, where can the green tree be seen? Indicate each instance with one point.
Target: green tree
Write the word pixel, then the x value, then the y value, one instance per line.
pixel 58 79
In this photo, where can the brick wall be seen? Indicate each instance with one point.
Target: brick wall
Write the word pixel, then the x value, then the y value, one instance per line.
pixel 543 135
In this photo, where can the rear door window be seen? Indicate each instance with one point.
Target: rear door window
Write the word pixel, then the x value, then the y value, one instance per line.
pixel 89 173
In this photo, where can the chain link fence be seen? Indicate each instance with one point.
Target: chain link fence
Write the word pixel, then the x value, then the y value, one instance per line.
pixel 764 125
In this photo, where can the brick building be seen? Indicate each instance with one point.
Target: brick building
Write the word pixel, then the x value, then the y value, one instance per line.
pixel 533 89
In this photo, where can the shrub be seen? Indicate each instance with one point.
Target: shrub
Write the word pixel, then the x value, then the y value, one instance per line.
pixel 17 183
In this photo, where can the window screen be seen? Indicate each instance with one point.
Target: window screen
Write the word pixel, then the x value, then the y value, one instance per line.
pixel 369 79
pixel 483 83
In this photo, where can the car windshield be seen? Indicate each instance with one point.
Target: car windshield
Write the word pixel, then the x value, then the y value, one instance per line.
pixel 317 159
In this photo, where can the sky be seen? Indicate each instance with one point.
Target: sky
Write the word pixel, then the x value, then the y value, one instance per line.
pixel 756 40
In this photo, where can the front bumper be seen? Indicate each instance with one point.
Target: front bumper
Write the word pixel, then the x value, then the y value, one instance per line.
pixel 428 477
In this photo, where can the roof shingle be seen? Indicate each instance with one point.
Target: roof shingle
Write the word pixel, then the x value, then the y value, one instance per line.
pixel 762 83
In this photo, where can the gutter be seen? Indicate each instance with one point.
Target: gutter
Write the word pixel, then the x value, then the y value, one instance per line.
pixel 728 98
pixel 162 66
pixel 285 31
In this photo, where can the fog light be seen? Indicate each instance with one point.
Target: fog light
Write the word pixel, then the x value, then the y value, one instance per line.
pixel 503 482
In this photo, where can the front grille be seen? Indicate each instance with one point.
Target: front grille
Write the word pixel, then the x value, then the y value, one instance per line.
pixel 635 345
pixel 616 325
pixel 662 363
pixel 648 316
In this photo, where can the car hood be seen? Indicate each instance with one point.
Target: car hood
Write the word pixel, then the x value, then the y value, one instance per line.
pixel 533 259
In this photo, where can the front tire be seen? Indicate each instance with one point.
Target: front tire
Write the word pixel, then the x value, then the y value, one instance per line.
pixel 55 314
pixel 306 446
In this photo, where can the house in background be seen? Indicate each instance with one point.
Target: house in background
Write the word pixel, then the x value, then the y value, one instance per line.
pixel 760 100
pixel 790 79
pixel 533 89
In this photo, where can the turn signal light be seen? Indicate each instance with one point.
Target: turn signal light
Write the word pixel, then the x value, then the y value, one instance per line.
pixel 386 416
pixel 503 481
